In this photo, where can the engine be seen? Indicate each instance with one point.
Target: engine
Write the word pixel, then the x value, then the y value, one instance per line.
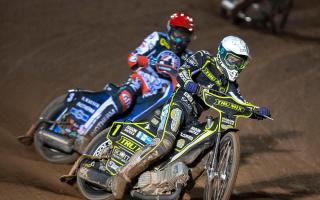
pixel 163 181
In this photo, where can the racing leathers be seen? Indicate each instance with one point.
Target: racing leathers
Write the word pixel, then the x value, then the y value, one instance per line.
pixel 144 81
pixel 184 108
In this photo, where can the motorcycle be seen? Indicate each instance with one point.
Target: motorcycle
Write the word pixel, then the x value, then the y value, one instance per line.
pixel 270 14
pixel 56 133
pixel 210 148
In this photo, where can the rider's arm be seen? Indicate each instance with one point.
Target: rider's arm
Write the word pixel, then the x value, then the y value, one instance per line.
pixel 234 92
pixel 187 53
pixel 191 66
pixel 144 49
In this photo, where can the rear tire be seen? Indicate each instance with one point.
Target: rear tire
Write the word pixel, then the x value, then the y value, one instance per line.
pixel 50 154
pixel 219 189
pixel 90 191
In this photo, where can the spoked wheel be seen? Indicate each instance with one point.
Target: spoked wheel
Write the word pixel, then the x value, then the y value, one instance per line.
pixel 51 154
pixel 280 13
pixel 96 147
pixel 224 177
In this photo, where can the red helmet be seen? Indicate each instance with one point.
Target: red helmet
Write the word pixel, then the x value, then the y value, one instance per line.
pixel 180 19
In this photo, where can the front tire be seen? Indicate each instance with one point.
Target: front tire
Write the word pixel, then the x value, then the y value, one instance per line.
pixel 96 147
pixel 50 154
pixel 220 188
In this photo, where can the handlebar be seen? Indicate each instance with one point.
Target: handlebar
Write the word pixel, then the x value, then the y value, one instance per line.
pixel 220 100
pixel 263 116
pixel 267 117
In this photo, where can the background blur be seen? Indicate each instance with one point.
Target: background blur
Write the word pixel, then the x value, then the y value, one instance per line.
pixel 50 46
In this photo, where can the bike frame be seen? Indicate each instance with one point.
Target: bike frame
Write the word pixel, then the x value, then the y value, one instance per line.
pixel 229 109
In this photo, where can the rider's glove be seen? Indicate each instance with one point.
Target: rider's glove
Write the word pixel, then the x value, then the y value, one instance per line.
pixel 263 111
pixel 142 61
pixel 191 87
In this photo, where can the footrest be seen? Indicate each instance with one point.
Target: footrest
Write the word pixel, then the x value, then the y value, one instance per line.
pixel 26 140
pixel 69 179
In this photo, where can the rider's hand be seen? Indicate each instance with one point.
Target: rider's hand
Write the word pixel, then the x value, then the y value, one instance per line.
pixel 191 87
pixel 200 91
pixel 263 111
pixel 142 61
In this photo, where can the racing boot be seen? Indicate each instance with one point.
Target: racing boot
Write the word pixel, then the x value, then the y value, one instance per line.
pixel 135 166
pixel 138 163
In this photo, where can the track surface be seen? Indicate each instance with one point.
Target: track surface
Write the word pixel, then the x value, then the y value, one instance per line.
pixel 50 46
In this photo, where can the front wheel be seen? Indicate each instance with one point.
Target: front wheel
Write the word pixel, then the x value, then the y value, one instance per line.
pixel 221 186
pixel 51 154
pixel 96 147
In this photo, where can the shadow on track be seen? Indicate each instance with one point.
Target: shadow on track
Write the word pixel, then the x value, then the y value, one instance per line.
pixel 295 186
pixel 253 144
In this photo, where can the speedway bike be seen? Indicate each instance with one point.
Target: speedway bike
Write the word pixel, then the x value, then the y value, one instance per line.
pixel 269 14
pixel 210 149
pixel 57 131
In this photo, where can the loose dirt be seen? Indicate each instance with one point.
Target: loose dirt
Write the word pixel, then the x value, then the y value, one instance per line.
pixel 50 46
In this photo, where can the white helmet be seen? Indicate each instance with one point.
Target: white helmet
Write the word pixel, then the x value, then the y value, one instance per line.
pixel 233 56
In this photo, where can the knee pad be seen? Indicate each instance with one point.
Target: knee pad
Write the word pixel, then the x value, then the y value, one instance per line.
pixel 165 145
pixel 124 98
pixel 156 150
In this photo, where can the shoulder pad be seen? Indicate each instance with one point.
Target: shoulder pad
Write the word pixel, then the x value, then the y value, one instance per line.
pixel 153 36
pixel 162 34
pixel 204 53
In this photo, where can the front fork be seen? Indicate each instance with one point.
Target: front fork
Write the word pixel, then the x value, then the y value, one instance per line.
pixel 211 164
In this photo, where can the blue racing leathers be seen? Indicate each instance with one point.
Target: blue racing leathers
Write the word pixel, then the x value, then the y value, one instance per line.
pixel 144 81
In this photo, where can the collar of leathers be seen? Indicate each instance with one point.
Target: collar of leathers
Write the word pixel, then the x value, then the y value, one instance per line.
pixel 211 71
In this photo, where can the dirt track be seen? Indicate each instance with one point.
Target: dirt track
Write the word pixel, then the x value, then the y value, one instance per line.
pixel 50 46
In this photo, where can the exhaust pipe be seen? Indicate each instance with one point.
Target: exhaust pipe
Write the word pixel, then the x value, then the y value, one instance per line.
pixel 95 176
pixel 56 141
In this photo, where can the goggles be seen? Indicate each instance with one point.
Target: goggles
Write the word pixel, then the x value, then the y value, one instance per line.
pixel 180 36
pixel 233 61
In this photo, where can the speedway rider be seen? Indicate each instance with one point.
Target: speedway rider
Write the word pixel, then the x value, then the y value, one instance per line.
pixel 145 81
pixel 199 71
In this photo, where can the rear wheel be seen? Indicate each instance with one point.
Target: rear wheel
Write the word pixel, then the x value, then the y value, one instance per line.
pixel 50 154
pixel 96 147
pixel 220 188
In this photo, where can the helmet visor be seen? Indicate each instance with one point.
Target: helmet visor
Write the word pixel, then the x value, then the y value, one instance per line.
pixel 180 36
pixel 236 62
